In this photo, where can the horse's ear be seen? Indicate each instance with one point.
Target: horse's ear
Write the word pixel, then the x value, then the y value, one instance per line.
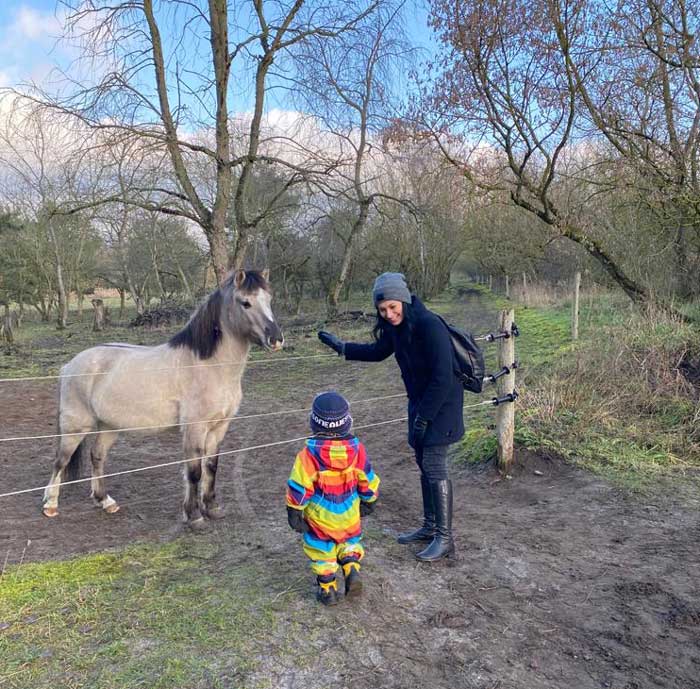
pixel 265 274
pixel 238 278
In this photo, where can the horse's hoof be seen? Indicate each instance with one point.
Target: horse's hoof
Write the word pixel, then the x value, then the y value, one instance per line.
pixel 197 524
pixel 50 511
pixel 111 509
pixel 215 513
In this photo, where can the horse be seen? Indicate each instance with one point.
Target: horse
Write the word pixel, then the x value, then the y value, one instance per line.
pixel 193 381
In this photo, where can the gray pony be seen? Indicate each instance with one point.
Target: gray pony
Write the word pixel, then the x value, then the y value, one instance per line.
pixel 194 377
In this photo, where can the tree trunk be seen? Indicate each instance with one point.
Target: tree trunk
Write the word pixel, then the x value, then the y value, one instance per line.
pixel 6 331
pixel 183 280
pixel 218 246
pixel 62 313
pixel 44 309
pixel 336 289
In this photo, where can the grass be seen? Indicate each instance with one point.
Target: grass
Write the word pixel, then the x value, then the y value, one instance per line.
pixel 177 615
pixel 614 402
pixel 148 616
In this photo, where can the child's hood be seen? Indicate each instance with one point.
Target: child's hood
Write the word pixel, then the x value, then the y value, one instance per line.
pixel 334 453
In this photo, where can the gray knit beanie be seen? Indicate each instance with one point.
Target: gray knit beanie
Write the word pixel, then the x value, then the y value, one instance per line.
pixel 391 286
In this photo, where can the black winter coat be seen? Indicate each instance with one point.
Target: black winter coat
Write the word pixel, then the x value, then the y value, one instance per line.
pixel 425 357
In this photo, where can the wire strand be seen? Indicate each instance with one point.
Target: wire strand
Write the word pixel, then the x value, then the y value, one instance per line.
pixel 246 362
pixel 218 454
pixel 183 423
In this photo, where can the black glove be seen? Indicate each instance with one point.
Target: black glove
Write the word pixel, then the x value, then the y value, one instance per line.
pixel 420 426
pixel 296 520
pixel 332 341
pixel 366 508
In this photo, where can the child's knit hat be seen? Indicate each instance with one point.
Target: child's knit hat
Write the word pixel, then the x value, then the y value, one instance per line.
pixel 330 414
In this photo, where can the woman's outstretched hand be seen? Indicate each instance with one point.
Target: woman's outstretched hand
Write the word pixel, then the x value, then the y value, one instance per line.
pixel 332 341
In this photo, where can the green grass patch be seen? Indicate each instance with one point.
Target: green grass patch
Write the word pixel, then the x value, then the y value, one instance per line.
pixel 615 402
pixel 618 402
pixel 149 616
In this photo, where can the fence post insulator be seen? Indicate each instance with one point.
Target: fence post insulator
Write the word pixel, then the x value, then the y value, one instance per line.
pixel 510 397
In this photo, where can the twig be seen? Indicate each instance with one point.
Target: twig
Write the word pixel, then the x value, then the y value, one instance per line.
pixel 4 565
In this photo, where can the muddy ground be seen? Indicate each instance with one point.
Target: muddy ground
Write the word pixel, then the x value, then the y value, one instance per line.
pixel 560 581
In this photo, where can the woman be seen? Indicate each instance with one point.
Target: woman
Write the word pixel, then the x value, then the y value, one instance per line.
pixel 422 347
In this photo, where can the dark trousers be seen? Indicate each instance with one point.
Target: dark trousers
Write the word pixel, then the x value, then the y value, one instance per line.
pixel 432 462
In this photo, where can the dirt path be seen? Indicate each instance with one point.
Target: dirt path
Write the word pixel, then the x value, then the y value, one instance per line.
pixel 561 581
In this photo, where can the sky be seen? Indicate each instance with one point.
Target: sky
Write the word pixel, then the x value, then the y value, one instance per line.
pixel 29 29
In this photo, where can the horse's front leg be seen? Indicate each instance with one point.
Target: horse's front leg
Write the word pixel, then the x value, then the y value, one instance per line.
pixel 210 508
pixel 190 507
pixel 195 447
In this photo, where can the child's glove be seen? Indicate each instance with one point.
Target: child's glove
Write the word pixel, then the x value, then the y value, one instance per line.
pixel 366 508
pixel 296 520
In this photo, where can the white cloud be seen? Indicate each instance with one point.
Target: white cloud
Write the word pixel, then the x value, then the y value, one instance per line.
pixel 28 44
pixel 33 25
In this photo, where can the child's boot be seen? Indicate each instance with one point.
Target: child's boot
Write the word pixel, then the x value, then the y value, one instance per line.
pixel 353 582
pixel 327 589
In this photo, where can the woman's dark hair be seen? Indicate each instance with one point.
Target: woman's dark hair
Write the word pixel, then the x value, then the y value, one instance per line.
pixel 381 325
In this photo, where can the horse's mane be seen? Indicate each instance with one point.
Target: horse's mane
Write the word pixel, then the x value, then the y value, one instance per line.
pixel 202 333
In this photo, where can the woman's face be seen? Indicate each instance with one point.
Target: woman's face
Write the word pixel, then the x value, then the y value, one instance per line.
pixel 391 310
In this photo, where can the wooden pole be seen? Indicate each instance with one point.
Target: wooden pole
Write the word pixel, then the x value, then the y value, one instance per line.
pixel 507 287
pixel 505 413
pixel 490 283
pixel 575 306
pixel 98 323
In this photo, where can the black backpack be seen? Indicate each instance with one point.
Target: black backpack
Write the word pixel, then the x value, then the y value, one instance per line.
pixel 468 358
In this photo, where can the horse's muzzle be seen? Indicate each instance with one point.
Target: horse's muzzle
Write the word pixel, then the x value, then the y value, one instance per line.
pixel 274 339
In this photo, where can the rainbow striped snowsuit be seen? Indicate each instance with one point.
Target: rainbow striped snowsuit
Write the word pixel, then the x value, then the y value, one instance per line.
pixel 329 478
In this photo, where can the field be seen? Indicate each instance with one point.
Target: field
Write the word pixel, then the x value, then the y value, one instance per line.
pixel 564 579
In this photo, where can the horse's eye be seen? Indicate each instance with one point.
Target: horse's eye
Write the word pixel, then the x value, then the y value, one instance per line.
pixel 246 304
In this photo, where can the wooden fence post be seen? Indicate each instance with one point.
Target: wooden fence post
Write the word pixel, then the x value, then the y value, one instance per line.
pixel 490 283
pixel 505 413
pixel 99 320
pixel 575 306
pixel 507 287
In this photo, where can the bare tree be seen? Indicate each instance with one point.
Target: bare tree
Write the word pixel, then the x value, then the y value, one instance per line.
pixel 635 67
pixel 43 169
pixel 350 85
pixel 508 95
pixel 168 76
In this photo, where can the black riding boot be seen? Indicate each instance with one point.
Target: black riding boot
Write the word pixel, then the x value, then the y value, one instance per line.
pixel 442 544
pixel 427 531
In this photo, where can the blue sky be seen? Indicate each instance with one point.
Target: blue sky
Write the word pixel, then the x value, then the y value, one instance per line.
pixel 29 29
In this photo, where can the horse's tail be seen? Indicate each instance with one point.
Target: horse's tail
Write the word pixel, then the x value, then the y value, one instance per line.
pixel 75 467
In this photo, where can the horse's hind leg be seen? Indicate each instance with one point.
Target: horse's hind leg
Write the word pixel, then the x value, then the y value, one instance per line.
pixel 98 456
pixel 67 446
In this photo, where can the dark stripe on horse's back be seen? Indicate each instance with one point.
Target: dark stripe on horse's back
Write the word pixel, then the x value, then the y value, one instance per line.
pixel 203 331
